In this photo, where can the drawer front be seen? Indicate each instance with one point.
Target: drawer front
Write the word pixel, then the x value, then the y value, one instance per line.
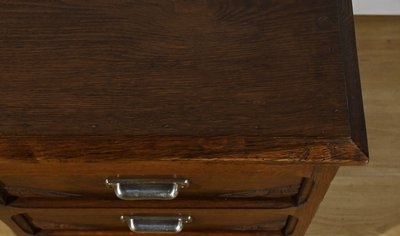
pixel 101 220
pixel 216 181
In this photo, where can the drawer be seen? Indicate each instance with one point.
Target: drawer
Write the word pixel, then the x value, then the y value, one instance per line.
pixel 204 181
pixel 58 221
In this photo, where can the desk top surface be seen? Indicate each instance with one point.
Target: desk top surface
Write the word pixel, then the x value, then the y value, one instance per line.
pixel 198 69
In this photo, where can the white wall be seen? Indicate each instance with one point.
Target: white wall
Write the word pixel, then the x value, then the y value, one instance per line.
pixel 376 7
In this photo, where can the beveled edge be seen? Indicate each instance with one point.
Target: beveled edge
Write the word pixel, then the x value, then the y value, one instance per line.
pixel 97 149
pixel 358 132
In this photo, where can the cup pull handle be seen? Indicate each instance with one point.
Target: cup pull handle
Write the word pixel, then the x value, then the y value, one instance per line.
pixel 156 224
pixel 147 189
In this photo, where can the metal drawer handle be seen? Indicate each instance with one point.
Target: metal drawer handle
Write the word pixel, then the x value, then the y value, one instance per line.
pixel 156 224
pixel 147 189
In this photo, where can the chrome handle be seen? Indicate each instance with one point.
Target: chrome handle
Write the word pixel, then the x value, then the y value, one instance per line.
pixel 147 189
pixel 156 224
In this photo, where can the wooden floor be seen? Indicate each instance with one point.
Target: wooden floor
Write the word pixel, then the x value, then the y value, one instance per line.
pixel 365 201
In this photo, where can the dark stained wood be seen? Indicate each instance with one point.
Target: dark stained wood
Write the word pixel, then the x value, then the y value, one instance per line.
pixel 25 223
pixel 5 196
pixel 119 233
pixel 256 102
pixel 291 224
pixel 322 178
pixel 156 168
pixel 108 149
pixel 89 187
pixel 203 203
pixel 211 180
pixel 203 68
pixel 352 75
pixel 203 219
pixel 172 68
pixel 307 186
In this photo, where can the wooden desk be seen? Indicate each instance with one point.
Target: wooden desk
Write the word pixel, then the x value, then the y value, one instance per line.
pixel 237 113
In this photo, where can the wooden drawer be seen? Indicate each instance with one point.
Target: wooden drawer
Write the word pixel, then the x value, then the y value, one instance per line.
pixel 206 181
pixel 57 221
pixel 222 217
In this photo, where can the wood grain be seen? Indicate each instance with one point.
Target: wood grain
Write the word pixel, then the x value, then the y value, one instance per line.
pixel 119 233
pixel 224 220
pixel 207 180
pixel 171 75
pixel 201 68
pixel 297 217
pixel 365 201
pixel 352 75
pixel 279 203
pixel 205 69
pixel 322 177
pixel 116 150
